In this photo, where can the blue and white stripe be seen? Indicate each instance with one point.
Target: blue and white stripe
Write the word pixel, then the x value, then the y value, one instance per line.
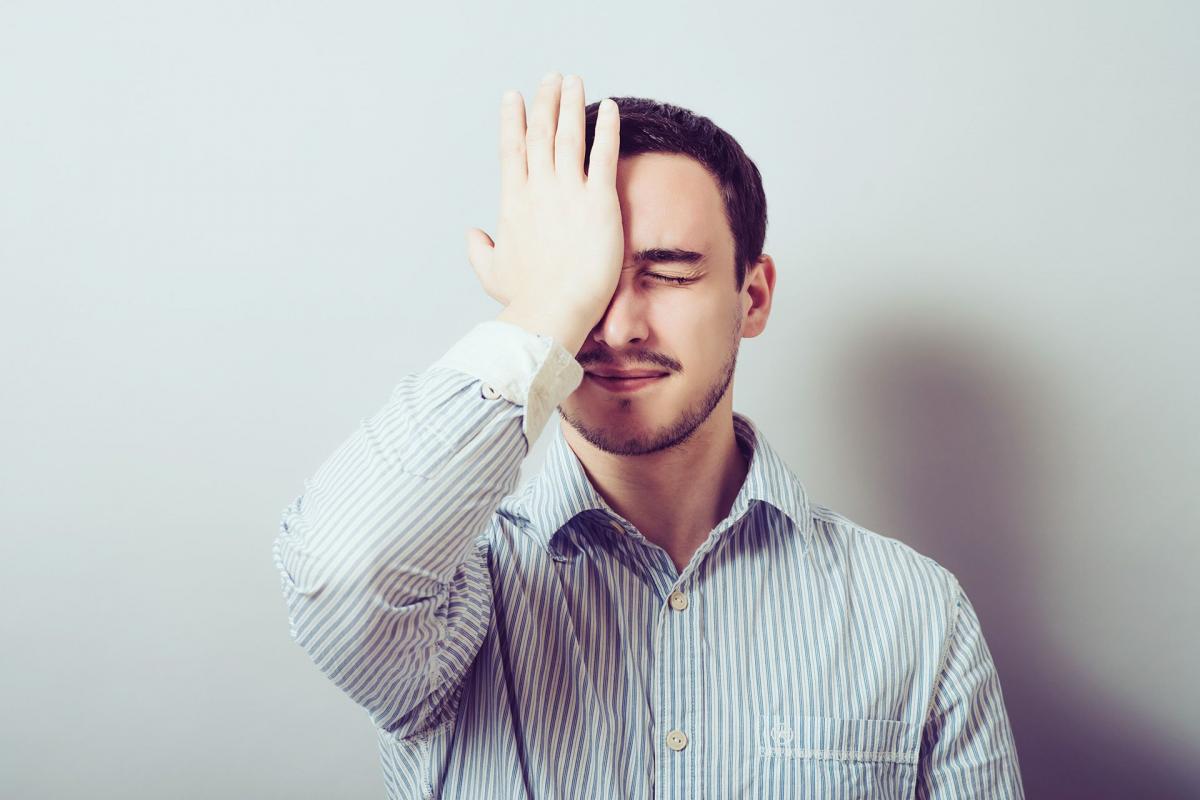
pixel 534 644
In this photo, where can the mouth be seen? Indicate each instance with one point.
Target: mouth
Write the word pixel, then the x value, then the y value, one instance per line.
pixel 624 384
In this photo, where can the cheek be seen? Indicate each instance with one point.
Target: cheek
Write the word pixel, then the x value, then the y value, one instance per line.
pixel 695 327
pixel 703 347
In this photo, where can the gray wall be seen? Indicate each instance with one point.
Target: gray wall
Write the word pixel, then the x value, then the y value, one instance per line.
pixel 227 229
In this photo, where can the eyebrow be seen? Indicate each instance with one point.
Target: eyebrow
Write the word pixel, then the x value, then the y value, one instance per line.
pixel 670 255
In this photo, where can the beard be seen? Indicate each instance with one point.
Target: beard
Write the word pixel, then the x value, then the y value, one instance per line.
pixel 614 436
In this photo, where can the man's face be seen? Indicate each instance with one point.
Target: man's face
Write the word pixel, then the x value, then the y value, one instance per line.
pixel 689 330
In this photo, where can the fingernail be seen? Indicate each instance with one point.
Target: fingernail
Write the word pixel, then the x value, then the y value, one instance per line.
pixel 550 76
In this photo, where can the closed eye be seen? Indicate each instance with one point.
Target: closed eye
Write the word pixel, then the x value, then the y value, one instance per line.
pixel 669 278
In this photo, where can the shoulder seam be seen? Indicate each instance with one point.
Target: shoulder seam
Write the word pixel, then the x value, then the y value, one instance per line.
pixel 834 517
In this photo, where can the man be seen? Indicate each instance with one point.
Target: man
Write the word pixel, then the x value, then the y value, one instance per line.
pixel 663 611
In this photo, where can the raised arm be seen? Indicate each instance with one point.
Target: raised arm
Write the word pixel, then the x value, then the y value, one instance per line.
pixel 384 556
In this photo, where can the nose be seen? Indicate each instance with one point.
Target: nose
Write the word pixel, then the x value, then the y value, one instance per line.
pixel 624 320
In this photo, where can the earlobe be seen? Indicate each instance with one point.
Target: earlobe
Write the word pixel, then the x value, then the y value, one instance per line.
pixel 755 328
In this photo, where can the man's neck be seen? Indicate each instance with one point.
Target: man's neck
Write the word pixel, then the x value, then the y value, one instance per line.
pixel 674 497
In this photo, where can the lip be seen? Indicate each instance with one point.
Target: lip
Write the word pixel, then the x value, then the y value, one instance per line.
pixel 628 373
pixel 624 384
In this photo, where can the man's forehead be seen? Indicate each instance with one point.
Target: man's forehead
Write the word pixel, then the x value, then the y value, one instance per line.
pixel 668 201
pixel 651 178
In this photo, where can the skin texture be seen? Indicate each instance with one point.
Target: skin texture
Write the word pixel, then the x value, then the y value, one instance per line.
pixel 557 255
pixel 666 458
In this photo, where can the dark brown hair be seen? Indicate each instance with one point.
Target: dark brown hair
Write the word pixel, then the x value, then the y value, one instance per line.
pixel 650 126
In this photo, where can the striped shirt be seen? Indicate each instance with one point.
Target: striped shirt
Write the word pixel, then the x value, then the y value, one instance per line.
pixel 533 643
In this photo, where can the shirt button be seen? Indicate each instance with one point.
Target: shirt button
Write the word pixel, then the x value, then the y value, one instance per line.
pixel 676 740
pixel 489 392
pixel 678 600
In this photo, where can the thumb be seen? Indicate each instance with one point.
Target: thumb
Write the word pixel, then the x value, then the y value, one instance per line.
pixel 479 250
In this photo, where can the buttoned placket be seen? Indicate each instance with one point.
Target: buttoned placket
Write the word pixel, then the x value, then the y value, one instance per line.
pixel 675 678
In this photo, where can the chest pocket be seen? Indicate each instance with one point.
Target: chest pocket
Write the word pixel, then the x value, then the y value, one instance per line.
pixel 800 756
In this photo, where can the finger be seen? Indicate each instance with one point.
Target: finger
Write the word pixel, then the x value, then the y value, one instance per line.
pixel 539 138
pixel 512 141
pixel 480 252
pixel 606 145
pixel 568 140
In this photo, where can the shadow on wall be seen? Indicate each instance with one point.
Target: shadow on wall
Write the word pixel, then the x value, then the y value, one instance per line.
pixel 950 430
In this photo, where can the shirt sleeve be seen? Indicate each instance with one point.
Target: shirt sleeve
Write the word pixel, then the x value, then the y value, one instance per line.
pixel 525 368
pixel 967 747
pixel 384 556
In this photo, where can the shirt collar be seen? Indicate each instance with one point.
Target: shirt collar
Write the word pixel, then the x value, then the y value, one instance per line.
pixel 562 490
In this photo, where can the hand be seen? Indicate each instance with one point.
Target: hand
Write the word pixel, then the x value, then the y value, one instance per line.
pixel 560 243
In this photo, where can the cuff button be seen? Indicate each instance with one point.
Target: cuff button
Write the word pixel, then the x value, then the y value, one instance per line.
pixel 489 392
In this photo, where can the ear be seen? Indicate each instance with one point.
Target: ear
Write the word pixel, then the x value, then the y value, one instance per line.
pixel 755 296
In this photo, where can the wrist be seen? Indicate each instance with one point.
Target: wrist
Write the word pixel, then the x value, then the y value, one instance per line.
pixel 563 328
